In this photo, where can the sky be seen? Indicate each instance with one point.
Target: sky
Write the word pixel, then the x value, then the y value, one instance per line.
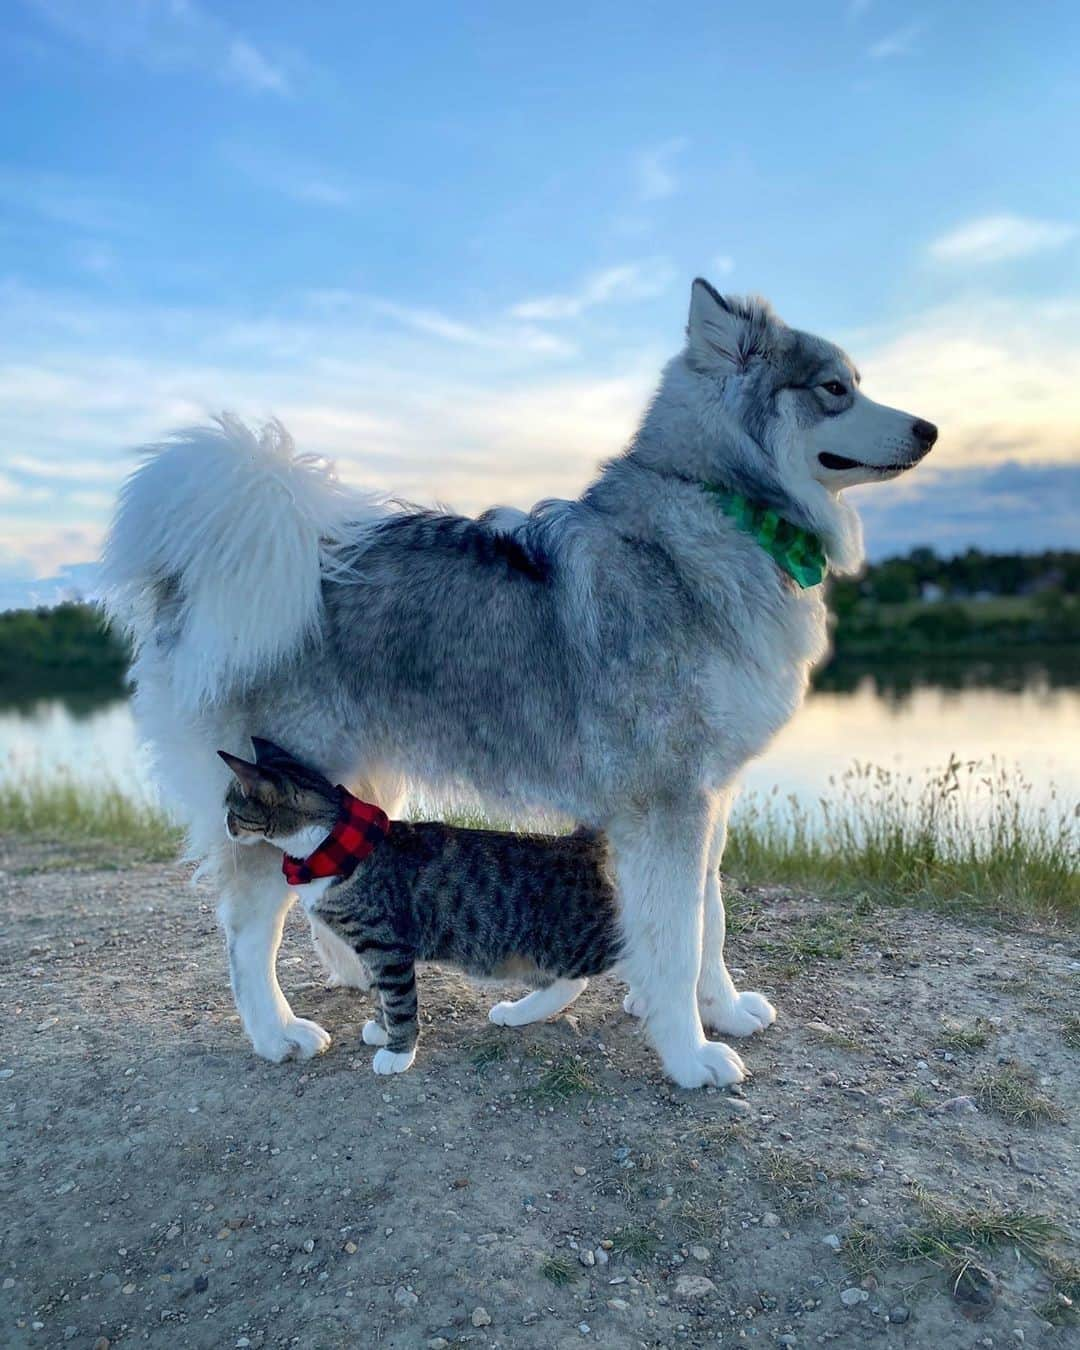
pixel 451 245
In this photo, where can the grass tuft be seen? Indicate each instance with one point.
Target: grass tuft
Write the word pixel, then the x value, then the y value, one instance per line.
pixel 639 1241
pixel 795 1181
pixel 1012 1094
pixel 972 1037
pixel 566 1077
pixel 863 1251
pixel 1070 1033
pixel 947 1233
pixel 560 1269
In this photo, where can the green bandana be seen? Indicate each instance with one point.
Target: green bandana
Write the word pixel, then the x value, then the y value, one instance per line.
pixel 796 550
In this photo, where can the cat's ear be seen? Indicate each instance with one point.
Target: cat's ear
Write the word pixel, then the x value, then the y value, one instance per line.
pixel 267 750
pixel 250 777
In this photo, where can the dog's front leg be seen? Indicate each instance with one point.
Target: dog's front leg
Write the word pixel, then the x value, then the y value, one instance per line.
pixel 723 1008
pixel 254 902
pixel 660 859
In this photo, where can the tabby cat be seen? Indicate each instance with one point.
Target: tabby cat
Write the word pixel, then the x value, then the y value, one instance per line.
pixel 487 901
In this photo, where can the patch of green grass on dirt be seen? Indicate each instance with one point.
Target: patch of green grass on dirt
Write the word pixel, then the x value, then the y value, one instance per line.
pixel 560 1269
pixel 863 1250
pixel 973 1036
pixel 639 1241
pixel 970 838
pixel 796 1182
pixel 1011 1093
pixel 490 1047
pixel 1070 1033
pixel 565 1077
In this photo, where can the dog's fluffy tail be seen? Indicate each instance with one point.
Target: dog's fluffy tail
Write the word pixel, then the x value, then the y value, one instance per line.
pixel 218 549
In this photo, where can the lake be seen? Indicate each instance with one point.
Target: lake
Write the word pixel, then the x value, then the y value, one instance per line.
pixel 1023 715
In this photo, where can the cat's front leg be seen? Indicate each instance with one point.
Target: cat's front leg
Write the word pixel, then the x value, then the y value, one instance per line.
pixel 395 979
pixel 539 1005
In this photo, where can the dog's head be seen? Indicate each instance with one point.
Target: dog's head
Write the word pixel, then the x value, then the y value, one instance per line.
pixel 796 397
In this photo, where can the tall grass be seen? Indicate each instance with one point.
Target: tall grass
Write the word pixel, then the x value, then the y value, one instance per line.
pixel 63 809
pixel 967 835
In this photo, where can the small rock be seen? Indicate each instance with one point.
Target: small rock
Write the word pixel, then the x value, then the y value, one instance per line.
pixel 1018 1335
pixel 899 1314
pixel 584 1328
pixel 7 1073
pixel 586 1257
pixel 128 1289
pixel 786 1339
pixel 851 1298
pixel 307 1246
pixel 618 1304
pixel 480 1317
pixel 823 1027
pixel 70 1333
pixel 46 1023
pixel 9 1283
pixel 700 1253
pixel 405 1298
pixel 602 1257
pixel 693 1286
pixel 351 1248
pixel 832 1241
pixel 830 1079
pixel 579 1171
pixel 770 1221
pixel 438 1343
pixel 959 1106
pixel 102 1343
pixel 736 1104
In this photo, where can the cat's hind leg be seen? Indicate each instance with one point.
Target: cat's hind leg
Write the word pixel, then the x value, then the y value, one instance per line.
pixel 540 1004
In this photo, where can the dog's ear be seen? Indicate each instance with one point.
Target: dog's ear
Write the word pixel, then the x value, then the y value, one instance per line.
pixel 266 751
pixel 253 781
pixel 723 335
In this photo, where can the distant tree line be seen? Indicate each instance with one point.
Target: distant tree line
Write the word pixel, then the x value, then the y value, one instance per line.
pixel 918 604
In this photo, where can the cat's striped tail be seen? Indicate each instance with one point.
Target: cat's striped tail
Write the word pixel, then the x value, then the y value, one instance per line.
pixel 217 552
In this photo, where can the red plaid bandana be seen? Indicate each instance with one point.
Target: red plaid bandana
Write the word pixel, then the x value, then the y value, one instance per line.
pixel 359 827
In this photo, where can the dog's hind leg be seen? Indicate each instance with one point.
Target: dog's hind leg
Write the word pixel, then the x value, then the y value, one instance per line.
pixel 723 1008
pixel 254 902
pixel 660 860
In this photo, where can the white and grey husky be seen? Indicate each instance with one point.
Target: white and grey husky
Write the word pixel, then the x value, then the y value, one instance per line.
pixel 617 658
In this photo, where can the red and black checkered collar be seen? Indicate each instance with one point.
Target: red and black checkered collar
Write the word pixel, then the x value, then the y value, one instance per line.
pixel 358 828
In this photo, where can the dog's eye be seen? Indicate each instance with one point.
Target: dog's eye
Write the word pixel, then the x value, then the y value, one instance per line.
pixel 835 388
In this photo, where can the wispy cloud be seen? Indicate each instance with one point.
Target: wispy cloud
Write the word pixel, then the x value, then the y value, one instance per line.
pixel 631 281
pixel 900 42
pixel 297 179
pixel 166 35
pixel 992 239
pixel 432 323
pixel 857 8
pixel 654 170
pixel 722 265
pixel 64 199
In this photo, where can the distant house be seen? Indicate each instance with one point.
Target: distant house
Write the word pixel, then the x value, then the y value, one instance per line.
pixel 931 592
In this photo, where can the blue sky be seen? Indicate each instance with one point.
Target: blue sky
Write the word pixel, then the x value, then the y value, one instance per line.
pixel 451 244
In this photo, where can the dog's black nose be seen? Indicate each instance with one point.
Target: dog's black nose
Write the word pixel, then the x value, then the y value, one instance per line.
pixel 925 433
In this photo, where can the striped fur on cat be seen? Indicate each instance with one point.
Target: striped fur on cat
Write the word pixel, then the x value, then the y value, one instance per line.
pixel 538 907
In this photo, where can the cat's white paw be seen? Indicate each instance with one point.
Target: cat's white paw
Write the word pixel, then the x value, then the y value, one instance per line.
pixel 634 1004
pixel 504 1015
pixel 708 1064
pixel 296 1039
pixel 390 1061
pixel 741 1016
pixel 374 1033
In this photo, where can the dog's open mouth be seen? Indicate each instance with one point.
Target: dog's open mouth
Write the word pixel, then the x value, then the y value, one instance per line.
pixel 830 461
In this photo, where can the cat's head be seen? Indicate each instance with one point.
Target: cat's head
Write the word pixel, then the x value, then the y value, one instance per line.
pixel 279 800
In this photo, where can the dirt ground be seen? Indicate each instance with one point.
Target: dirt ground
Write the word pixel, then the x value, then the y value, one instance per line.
pixel 542 1187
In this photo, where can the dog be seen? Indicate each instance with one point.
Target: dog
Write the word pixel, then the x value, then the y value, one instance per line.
pixel 617 658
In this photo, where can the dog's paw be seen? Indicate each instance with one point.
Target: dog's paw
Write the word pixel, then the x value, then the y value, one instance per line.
pixel 741 1016
pixel 296 1039
pixel 710 1064
pixel 374 1033
pixel 634 1004
pixel 503 1015
pixel 390 1061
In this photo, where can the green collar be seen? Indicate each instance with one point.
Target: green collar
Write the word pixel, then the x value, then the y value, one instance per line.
pixel 796 550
